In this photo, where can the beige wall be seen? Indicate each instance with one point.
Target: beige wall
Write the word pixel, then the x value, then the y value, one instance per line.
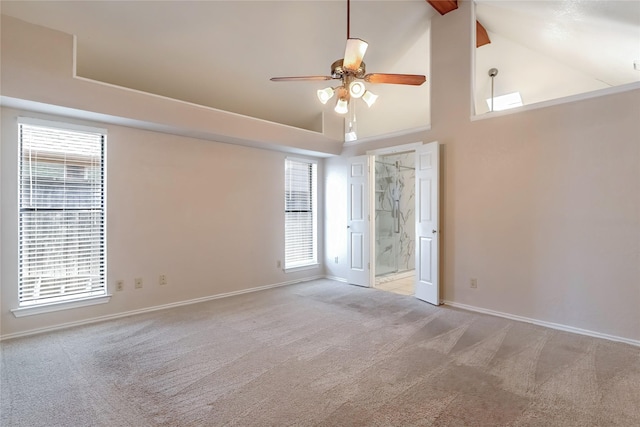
pixel 208 215
pixel 541 206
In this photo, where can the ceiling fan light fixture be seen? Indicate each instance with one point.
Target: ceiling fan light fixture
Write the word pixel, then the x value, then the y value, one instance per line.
pixel 356 89
pixel 369 98
pixel 342 106
pixel 349 70
pixel 325 94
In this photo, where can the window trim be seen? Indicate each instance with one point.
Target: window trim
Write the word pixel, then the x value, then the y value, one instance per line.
pixel 23 120
pixel 31 310
pixel 46 307
pixel 314 203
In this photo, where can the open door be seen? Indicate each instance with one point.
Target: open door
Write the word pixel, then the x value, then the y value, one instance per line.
pixel 358 221
pixel 427 225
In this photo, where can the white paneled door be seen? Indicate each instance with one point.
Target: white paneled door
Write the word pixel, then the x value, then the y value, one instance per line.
pixel 358 221
pixel 427 225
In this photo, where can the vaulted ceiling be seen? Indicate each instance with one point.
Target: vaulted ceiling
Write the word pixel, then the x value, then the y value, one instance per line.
pixel 551 49
pixel 222 53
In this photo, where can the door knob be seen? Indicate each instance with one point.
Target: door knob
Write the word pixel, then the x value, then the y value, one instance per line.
pixel 348 226
pixel 434 231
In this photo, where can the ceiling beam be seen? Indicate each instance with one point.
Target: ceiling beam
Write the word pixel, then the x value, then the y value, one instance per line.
pixel 443 6
pixel 482 37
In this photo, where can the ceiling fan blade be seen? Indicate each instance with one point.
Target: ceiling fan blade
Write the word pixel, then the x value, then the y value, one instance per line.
pixel 353 54
pixel 300 78
pixel 398 79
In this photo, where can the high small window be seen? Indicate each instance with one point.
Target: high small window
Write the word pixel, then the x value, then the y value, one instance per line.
pixel 61 213
pixel 300 213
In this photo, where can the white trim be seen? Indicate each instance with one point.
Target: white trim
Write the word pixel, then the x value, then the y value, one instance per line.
pixel 66 302
pixel 472 69
pixel 152 309
pixel 387 136
pixel 558 101
pixel 60 125
pixel 551 325
pixel 105 118
pixel 301 268
pixel 58 306
pixel 74 61
pixel 302 159
pixel 314 183
pixel 410 147
pixel 307 279
pixel 395 149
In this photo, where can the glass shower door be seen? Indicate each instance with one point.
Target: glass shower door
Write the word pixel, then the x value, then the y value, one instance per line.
pixel 394 213
pixel 386 219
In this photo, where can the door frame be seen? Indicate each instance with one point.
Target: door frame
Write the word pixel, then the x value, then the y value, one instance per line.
pixel 372 186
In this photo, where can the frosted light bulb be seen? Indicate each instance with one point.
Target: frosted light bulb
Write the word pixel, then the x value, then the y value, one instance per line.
pixel 325 94
pixel 369 98
pixel 341 106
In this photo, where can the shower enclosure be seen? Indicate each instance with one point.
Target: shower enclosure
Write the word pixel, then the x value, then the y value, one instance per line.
pixel 395 213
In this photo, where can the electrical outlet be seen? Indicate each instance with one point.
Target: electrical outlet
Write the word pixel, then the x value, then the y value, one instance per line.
pixel 278 264
pixel 162 280
pixel 119 285
pixel 473 283
pixel 335 260
pixel 138 282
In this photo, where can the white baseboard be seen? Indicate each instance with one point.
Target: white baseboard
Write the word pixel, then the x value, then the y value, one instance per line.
pixel 510 316
pixel 551 325
pixel 292 282
pixel 151 309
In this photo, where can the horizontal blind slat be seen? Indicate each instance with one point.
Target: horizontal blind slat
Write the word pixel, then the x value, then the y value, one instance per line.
pixel 61 221
pixel 300 232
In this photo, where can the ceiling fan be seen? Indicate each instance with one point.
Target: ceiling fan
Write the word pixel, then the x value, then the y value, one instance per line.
pixel 351 71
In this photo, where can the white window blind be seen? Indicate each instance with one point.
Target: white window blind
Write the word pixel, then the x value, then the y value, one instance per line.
pixel 62 214
pixel 300 213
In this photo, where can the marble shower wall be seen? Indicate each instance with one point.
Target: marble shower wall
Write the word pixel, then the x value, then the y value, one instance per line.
pixel 395 231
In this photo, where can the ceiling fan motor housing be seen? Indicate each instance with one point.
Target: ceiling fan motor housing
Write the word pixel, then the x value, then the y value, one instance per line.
pixel 338 71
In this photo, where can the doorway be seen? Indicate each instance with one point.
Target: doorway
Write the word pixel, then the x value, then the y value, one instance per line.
pixel 361 234
pixel 395 231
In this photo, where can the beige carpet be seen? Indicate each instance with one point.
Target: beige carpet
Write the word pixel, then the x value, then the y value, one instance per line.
pixel 319 353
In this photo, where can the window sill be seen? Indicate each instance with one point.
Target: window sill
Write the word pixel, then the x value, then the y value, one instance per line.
pixel 301 268
pixel 57 306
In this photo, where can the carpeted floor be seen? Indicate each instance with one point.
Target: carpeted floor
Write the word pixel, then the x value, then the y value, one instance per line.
pixel 317 354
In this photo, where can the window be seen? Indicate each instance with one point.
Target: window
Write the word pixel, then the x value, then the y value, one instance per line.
pixel 300 213
pixel 61 213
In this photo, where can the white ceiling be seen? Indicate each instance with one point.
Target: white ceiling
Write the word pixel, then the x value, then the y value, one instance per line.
pixel 550 49
pixel 222 53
